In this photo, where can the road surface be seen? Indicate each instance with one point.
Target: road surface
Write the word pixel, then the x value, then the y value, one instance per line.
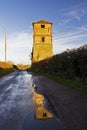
pixel 69 104
pixel 17 105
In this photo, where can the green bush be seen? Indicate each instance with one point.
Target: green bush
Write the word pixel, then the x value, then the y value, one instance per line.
pixel 70 64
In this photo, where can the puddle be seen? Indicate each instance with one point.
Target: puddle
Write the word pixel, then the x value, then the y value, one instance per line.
pixel 40 112
pixel 31 123
pixel 40 119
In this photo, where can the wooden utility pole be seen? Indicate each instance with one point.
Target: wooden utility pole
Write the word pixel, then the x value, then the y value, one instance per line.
pixel 5 45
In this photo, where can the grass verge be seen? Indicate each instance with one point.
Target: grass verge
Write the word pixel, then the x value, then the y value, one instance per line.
pixel 5 71
pixel 76 84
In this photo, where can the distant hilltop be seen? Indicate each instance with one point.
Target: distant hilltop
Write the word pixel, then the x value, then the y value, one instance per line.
pixel 23 67
pixel 5 65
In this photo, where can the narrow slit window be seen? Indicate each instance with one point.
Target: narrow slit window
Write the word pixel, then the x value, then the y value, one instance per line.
pixel 43 39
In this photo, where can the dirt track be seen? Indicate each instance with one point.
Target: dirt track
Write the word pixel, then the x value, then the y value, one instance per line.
pixel 70 105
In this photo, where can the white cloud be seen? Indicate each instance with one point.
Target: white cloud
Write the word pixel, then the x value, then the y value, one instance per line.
pixel 76 12
pixel 69 40
pixel 19 47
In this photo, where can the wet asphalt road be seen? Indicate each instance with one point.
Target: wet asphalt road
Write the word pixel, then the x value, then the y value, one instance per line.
pixel 16 102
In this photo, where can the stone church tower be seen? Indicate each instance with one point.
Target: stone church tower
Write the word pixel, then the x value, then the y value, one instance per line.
pixel 42 41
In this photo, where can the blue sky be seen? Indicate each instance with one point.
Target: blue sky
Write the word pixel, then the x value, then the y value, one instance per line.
pixel 69 18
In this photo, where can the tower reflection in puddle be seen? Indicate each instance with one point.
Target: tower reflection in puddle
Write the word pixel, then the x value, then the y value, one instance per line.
pixel 40 112
pixel 40 119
